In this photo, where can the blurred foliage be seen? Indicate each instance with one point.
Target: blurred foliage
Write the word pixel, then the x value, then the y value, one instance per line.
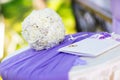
pixel 64 9
pixel 16 10
pixel 0 78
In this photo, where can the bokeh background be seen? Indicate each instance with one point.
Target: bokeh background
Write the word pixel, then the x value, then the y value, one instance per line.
pixel 13 12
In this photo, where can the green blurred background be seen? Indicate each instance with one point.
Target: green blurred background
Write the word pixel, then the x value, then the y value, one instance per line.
pixel 14 12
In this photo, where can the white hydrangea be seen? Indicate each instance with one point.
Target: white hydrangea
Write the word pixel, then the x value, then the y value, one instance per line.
pixel 43 29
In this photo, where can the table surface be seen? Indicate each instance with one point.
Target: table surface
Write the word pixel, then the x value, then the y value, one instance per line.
pixel 42 65
pixel 94 65
pixel 109 57
pixel 106 60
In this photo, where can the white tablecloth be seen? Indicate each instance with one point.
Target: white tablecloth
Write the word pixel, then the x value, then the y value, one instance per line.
pixel 103 67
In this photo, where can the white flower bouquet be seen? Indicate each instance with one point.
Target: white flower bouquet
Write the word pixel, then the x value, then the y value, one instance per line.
pixel 43 29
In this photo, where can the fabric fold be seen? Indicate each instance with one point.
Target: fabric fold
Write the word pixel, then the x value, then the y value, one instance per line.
pixel 41 65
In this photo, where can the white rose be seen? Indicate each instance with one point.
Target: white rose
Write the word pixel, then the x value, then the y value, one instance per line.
pixel 43 29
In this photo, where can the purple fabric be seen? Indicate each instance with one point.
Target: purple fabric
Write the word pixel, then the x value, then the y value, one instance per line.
pixel 41 65
pixel 104 35
pixel 116 25
pixel 116 15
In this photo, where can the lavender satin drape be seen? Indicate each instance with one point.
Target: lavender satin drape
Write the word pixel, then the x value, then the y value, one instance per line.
pixel 42 65
pixel 116 15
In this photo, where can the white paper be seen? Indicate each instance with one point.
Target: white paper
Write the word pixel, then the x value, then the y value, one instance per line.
pixel 90 47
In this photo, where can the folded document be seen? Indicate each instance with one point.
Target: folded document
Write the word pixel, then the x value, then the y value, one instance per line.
pixel 90 47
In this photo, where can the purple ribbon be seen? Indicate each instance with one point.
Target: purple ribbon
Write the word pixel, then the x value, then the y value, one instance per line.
pixel 104 35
